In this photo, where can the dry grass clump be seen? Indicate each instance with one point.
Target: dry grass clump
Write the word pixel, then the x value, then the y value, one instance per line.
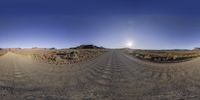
pixel 165 55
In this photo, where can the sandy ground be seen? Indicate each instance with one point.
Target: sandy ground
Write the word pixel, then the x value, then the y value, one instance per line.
pixel 111 76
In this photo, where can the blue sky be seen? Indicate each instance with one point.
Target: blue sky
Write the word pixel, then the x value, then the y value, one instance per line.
pixel 150 24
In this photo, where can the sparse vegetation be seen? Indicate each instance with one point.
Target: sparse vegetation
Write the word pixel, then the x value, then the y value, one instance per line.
pixel 61 56
pixel 165 56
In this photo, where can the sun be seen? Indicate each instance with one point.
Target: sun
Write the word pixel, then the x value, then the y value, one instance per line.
pixel 129 44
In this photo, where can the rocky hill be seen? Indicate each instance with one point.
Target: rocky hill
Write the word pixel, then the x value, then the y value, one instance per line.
pixel 196 49
pixel 87 47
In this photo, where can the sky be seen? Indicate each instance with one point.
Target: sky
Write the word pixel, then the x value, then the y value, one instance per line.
pixel 147 24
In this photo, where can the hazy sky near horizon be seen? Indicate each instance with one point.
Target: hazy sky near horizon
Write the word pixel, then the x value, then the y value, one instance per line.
pixel 149 24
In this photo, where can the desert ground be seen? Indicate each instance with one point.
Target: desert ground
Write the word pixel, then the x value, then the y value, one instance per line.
pixel 109 75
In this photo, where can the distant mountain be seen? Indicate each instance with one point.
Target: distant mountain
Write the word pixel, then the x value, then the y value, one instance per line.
pixel 87 47
pixel 196 49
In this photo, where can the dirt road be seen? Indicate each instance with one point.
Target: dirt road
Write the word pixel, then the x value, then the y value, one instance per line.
pixel 111 76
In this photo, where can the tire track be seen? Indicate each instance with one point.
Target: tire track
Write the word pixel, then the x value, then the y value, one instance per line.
pixel 111 76
pixel 150 72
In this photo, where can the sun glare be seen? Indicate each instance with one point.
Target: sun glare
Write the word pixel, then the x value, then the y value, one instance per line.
pixel 130 44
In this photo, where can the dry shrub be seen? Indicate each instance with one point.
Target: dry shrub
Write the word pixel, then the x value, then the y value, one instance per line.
pixel 64 56
pixel 165 55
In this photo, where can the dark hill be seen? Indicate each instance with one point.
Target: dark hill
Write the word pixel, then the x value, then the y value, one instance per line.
pixel 87 47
